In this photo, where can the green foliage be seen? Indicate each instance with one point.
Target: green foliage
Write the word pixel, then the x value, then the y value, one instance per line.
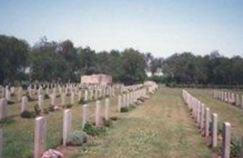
pixel 77 138
pixel 13 58
pixel 81 101
pixel 37 110
pixel 7 121
pixel 127 109
pixel 27 114
pixel 10 102
pixel 212 69
pixel 90 129
pixel 107 123
pixel 46 96
pixel 235 147
pixel 68 106
pixel 51 108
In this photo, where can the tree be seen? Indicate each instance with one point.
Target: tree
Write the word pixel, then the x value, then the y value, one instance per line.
pixel 13 58
pixel 134 65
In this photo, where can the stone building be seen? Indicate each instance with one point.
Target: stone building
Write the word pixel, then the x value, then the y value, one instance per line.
pixel 96 79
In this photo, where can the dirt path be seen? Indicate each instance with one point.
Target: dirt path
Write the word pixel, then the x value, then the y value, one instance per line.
pixel 161 127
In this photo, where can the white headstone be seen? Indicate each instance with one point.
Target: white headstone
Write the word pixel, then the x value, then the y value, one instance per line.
pixel 3 108
pixel 67 125
pixel 40 137
pixel 24 102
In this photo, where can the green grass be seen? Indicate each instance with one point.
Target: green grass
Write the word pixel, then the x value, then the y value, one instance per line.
pixel 160 127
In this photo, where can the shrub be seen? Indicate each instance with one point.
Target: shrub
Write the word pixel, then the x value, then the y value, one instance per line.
pixel 67 106
pixel 90 129
pixel 77 138
pixel 124 109
pixel 107 123
pixel 46 96
pixel 29 98
pixel 10 102
pixel 127 109
pixel 81 101
pixel 37 110
pixel 27 114
pixel 114 118
pixel 51 108
pixel 45 111
pixel 235 147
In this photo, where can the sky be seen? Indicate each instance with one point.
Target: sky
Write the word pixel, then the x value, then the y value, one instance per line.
pixel 162 27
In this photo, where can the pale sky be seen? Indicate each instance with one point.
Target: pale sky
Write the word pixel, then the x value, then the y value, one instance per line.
pixel 161 27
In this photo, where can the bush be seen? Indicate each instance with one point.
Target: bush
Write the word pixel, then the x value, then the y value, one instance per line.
pixel 90 129
pixel 46 111
pixel 127 109
pixel 107 123
pixel 46 96
pixel 124 109
pixel 235 147
pixel 81 101
pixel 77 138
pixel 10 102
pixel 114 118
pixel 67 106
pixel 37 110
pixel 51 108
pixel 27 114
pixel 29 98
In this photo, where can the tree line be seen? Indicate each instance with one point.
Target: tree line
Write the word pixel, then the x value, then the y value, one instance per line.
pixel 62 62
pixel 212 69
pixel 53 61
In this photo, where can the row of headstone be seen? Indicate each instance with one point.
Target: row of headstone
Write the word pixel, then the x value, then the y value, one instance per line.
pixel 131 98
pixel 41 128
pixel 203 117
pixel 229 97
pixel 74 92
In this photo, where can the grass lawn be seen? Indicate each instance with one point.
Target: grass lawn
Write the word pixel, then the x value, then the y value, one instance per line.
pixel 161 127
pixel 226 112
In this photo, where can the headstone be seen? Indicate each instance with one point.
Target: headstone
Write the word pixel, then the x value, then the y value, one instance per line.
pixel 63 99
pixel 40 137
pixel 202 118
pixel 237 103
pixel 97 114
pixel 7 94
pixel 207 122
pixel 41 102
pixel 226 140
pixel 85 114
pixel 107 105
pixel 79 95
pixel 242 101
pixel 119 103
pixel 24 102
pixel 19 94
pixel 3 108
pixel 67 125
pixel 214 130
pixel 85 95
pixel 72 101
pixel 1 142
pixel 53 99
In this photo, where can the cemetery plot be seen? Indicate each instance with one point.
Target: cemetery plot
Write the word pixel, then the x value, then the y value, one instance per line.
pixel 20 135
